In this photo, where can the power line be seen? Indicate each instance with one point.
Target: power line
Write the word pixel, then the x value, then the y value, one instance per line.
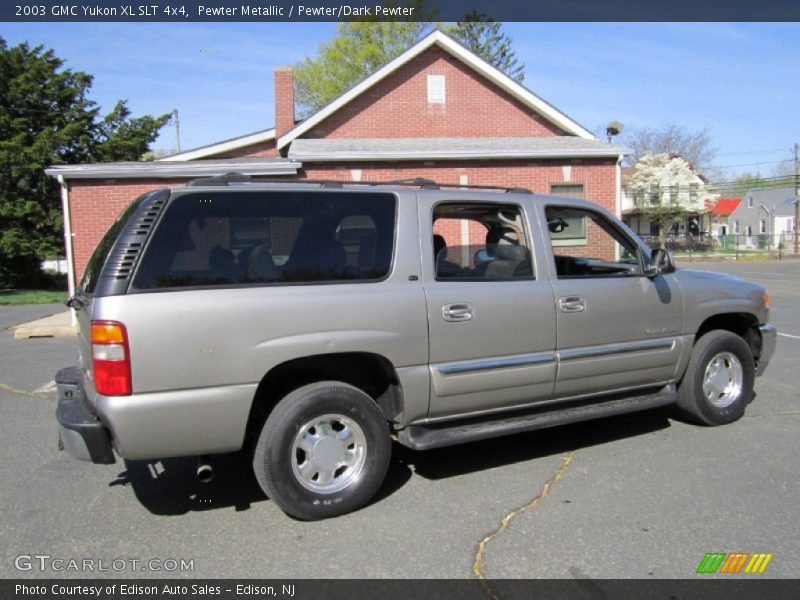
pixel 754 164
pixel 749 152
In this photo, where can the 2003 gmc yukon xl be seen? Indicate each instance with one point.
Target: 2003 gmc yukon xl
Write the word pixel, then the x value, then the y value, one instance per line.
pixel 313 322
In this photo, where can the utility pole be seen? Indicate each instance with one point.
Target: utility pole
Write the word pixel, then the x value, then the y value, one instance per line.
pixel 178 129
pixel 796 195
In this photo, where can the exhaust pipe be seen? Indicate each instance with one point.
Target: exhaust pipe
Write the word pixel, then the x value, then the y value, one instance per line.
pixel 205 471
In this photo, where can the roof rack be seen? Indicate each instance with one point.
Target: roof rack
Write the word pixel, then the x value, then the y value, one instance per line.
pixel 421 182
pixel 219 180
pixel 426 184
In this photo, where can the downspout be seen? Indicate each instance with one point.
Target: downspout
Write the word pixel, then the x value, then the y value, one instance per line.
pixel 618 186
pixel 68 242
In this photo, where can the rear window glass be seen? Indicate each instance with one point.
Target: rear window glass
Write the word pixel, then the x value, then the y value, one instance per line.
pixel 234 238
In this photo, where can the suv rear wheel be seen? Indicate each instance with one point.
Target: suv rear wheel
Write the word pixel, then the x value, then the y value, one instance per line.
pixel 718 383
pixel 324 451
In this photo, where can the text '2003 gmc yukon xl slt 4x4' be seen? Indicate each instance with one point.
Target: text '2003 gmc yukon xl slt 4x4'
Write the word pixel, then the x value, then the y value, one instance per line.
pixel 314 322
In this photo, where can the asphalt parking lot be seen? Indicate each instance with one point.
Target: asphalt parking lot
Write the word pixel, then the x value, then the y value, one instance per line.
pixel 639 496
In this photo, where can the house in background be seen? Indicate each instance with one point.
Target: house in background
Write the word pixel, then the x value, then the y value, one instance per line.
pixel 437 111
pixel 719 213
pixel 765 218
pixel 663 195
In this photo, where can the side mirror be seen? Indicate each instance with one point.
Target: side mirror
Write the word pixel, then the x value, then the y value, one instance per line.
pixel 661 262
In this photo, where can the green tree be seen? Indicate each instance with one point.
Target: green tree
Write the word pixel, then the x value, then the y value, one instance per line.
pixel 359 49
pixel 355 52
pixel 484 37
pixel 667 191
pixel 46 118
pixel 744 183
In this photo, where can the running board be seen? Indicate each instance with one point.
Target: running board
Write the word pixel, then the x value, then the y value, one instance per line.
pixel 421 437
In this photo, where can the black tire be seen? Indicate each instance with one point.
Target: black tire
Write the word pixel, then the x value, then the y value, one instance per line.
pixel 286 472
pixel 717 351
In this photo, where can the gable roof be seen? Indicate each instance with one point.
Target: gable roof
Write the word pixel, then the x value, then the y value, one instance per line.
pixel 724 206
pixel 219 147
pixel 451 46
pixel 779 200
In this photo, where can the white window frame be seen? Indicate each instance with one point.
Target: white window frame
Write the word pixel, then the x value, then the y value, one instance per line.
pixel 762 226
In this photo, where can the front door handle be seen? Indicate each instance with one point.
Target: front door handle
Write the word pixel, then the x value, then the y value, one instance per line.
pixel 460 311
pixel 571 304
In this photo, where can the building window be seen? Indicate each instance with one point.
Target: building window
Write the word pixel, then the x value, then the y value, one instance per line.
pixel 436 89
pixel 655 195
pixel 570 190
pixel 611 254
pixel 750 202
pixel 674 194
pixel 762 226
pixel 736 227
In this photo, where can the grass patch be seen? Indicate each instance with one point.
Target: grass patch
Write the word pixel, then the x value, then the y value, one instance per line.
pixel 22 297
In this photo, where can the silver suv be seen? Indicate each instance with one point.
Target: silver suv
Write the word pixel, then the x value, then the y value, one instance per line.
pixel 312 323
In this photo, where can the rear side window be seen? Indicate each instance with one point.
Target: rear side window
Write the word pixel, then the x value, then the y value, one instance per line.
pixel 266 237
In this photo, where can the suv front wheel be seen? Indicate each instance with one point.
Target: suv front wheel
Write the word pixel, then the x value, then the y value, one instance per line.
pixel 324 451
pixel 718 383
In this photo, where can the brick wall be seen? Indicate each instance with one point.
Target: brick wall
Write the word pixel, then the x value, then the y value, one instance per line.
pixel 284 100
pixel 398 106
pixel 262 149
pixel 94 206
pixel 598 177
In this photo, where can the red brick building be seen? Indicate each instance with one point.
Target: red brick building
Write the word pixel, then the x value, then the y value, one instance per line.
pixel 437 111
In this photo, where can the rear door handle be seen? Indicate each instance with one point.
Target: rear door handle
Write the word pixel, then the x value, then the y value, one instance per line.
pixel 570 304
pixel 460 311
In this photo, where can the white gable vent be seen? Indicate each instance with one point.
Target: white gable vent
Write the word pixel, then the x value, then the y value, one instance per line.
pixel 436 89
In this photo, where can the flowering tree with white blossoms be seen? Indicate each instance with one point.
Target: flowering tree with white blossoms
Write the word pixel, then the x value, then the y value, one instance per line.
pixel 667 189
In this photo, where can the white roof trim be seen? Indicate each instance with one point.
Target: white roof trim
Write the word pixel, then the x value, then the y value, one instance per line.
pixel 220 147
pixel 409 155
pixel 166 170
pixel 447 43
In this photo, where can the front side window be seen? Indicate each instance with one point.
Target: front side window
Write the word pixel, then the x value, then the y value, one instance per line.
pixel 480 242
pixel 607 252
pixel 269 237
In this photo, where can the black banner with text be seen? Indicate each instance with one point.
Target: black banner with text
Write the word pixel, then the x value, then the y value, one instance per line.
pixel 395 589
pixel 186 11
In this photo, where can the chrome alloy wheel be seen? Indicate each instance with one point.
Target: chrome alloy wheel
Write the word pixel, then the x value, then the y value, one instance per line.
pixel 328 453
pixel 723 379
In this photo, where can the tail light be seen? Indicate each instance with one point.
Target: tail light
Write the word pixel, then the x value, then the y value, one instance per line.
pixel 111 359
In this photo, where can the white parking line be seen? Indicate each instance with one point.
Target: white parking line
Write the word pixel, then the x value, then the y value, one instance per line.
pixel 794 337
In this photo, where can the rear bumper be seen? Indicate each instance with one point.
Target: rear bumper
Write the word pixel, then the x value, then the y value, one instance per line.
pixel 81 433
pixel 769 337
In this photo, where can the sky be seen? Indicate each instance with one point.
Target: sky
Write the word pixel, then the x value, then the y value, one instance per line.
pixel 739 80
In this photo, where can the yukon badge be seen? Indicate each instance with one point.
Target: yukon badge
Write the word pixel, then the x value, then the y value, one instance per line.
pixel 660 330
